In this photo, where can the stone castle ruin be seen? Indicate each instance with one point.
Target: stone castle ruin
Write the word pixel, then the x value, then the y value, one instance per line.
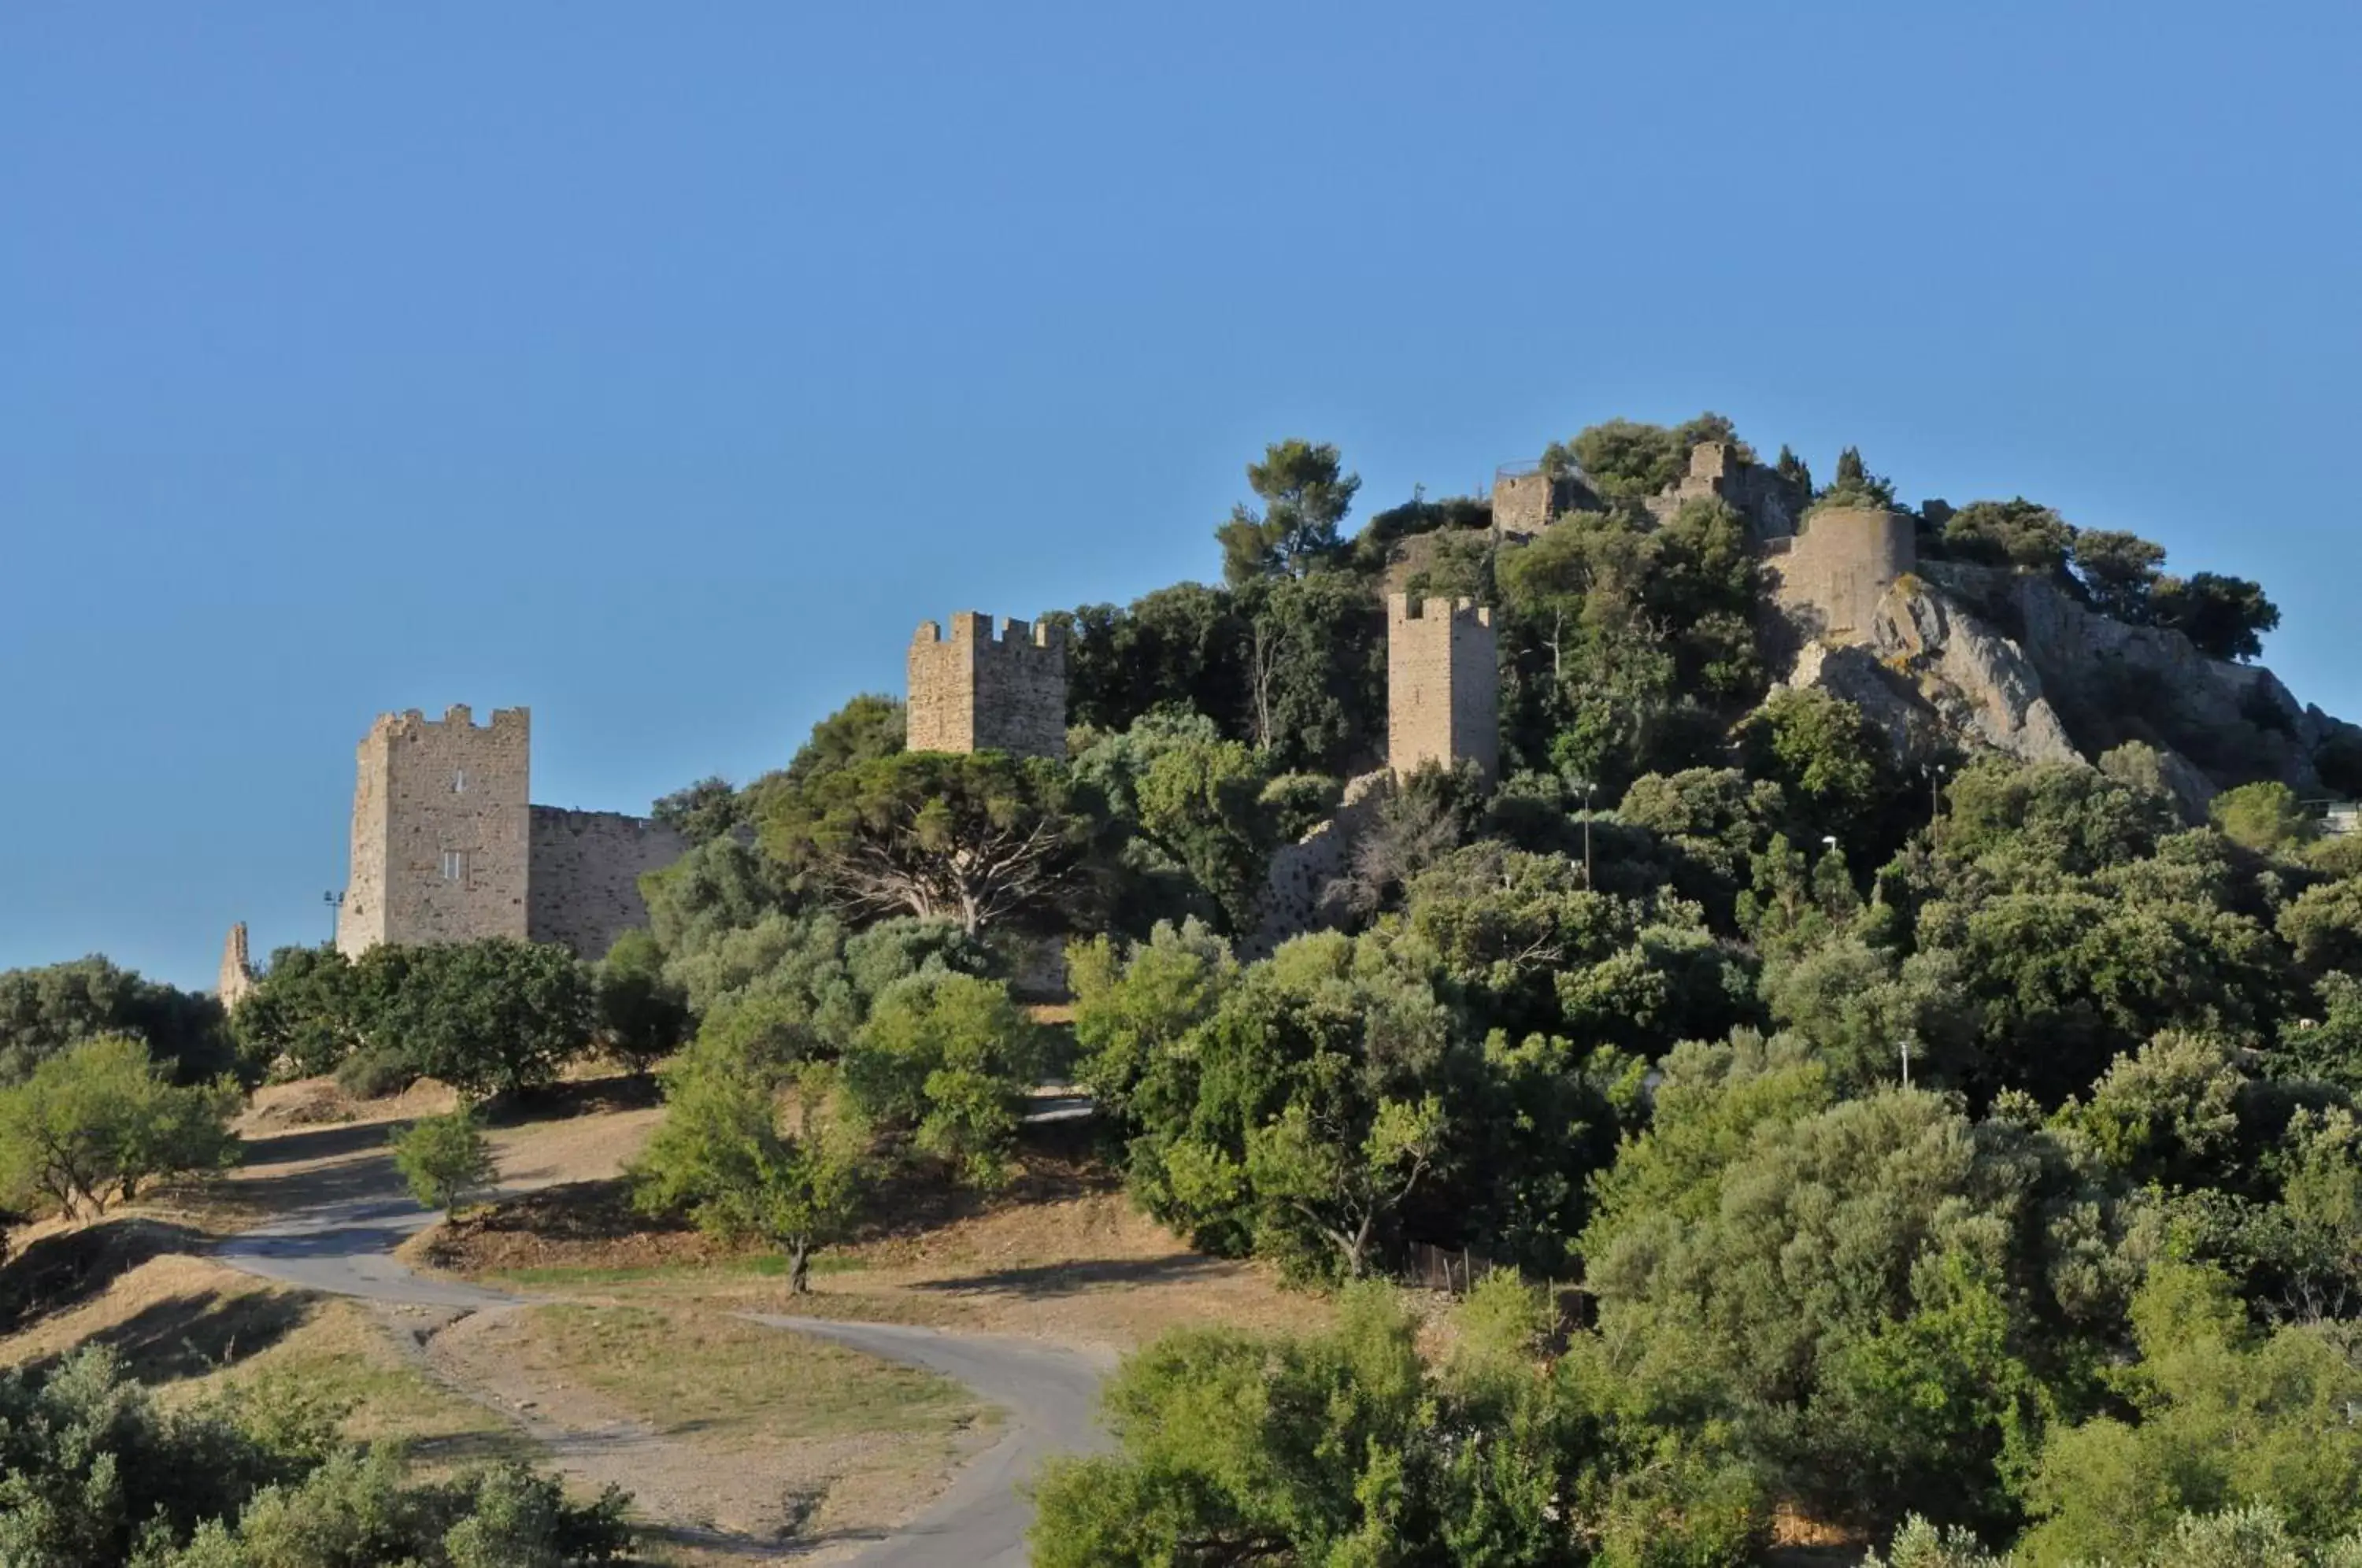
pixel 447 845
pixel 1528 498
pixel 989 687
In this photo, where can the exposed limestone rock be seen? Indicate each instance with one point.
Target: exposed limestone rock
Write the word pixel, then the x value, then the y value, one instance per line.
pixel 2113 682
pixel 1924 665
pixel 1975 680
pixel 1296 892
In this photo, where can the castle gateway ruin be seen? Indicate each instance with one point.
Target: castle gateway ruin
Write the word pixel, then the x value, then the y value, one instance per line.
pixel 447 845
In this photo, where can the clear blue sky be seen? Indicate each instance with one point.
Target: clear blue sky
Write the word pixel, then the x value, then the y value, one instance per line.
pixel 661 366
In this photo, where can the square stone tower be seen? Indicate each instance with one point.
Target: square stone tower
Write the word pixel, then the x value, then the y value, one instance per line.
pixel 1443 685
pixel 441 839
pixel 988 689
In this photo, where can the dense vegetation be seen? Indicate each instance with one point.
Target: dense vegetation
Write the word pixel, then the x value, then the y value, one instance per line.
pixel 1872 1136
pixel 1856 1136
pixel 96 1472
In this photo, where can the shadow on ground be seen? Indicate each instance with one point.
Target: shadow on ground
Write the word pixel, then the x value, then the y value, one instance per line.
pixel 1073 1279
pixel 57 1274
pixel 197 1333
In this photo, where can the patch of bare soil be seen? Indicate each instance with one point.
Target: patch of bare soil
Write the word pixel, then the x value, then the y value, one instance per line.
pixel 785 1496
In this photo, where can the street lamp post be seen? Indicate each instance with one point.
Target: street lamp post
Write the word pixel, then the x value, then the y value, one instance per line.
pixel 1588 788
pixel 1935 772
pixel 336 902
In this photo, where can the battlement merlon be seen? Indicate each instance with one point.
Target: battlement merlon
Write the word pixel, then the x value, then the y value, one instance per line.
pixel 972 628
pixel 458 717
pixel 1403 608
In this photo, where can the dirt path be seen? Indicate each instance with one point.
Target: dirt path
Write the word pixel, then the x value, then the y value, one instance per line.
pixel 339 1213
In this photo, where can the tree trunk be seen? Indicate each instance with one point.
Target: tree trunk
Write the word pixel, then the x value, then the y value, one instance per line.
pixel 800 1268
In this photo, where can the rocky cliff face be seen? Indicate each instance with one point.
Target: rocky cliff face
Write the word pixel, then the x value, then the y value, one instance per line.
pixel 2013 663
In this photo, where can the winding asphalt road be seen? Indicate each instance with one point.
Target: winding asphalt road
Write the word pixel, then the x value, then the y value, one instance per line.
pixel 346 1248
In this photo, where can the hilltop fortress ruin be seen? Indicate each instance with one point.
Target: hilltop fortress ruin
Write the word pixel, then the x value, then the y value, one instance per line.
pixel 448 847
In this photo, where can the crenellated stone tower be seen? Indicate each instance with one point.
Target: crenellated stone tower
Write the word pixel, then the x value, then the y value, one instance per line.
pixel 447 848
pixel 440 823
pixel 988 689
pixel 1443 685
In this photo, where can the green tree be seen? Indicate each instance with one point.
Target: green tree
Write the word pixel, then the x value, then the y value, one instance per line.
pixel 1306 493
pixel 702 811
pixel 45 1011
pixel 867 727
pixel 1349 1448
pixel 1879 1294
pixel 2119 570
pixel 304 1013
pixel 2229 1417
pixel 444 1158
pixel 491 1017
pixel 100 1472
pixel 728 1156
pixel 2323 927
pixel 1855 485
pixel 97 1121
pixel 972 837
pixel 2267 818
pixel 952 1058
pixel 643 1015
pixel 2223 617
pixel 1314 671
pixel 2016 533
pixel 1134 1003
pixel 1835 770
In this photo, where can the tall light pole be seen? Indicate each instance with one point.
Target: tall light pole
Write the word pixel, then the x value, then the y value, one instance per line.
pixel 1588 787
pixel 336 902
pixel 1935 772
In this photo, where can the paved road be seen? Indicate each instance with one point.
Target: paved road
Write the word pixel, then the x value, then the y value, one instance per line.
pixel 1051 1398
pixel 346 1248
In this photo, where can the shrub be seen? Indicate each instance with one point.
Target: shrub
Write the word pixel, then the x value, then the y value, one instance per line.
pixel 444 1158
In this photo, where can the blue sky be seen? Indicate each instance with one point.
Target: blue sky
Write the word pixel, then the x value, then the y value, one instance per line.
pixel 660 368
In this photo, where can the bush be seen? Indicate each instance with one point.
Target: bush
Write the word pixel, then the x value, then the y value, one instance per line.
pixel 444 1158
pixel 951 1057
pixel 99 1474
pixel 643 1015
pixel 375 1074
pixel 490 1017
pixel 99 1121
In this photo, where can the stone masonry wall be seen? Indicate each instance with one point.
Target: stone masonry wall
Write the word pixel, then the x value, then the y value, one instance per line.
pixel 988 689
pixel 1443 685
pixel 1717 472
pixel 1522 504
pixel 439 831
pixel 236 980
pixel 585 881
pixel 1836 572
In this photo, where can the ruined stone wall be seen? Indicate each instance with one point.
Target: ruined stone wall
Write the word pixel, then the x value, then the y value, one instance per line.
pixel 1717 472
pixel 1836 572
pixel 237 969
pixel 1443 685
pixel 439 831
pixel 988 689
pixel 585 875
pixel 1296 894
pixel 1521 503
